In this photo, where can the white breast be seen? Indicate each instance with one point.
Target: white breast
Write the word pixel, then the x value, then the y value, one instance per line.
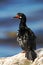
pixel 20 41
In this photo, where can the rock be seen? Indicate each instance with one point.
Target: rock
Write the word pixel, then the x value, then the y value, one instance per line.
pixel 2 60
pixel 39 59
pixel 20 59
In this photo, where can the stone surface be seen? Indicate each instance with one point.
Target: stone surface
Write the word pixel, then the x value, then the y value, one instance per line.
pixel 20 59
pixel 39 59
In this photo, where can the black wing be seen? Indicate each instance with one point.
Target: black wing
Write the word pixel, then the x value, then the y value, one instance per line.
pixel 31 34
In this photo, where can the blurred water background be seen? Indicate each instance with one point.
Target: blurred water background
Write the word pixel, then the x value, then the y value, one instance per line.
pixel 33 9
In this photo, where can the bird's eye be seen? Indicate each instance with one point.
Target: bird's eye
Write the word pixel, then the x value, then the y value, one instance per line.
pixel 20 17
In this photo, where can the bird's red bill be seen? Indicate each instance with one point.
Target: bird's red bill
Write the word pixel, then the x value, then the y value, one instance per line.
pixel 17 16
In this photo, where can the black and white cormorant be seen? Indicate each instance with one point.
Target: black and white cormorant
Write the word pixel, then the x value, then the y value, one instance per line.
pixel 26 38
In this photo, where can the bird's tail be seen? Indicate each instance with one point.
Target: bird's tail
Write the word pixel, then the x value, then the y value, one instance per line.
pixel 31 54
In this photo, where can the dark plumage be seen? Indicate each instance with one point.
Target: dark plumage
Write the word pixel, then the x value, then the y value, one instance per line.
pixel 26 38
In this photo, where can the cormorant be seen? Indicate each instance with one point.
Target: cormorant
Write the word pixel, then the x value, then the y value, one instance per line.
pixel 26 38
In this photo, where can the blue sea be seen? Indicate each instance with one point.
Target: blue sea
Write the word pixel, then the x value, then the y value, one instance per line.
pixel 8 50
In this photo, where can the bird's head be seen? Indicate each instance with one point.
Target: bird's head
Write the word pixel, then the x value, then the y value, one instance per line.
pixel 21 16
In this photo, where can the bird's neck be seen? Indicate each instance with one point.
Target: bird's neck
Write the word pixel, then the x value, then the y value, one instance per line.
pixel 22 24
pixel 22 27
